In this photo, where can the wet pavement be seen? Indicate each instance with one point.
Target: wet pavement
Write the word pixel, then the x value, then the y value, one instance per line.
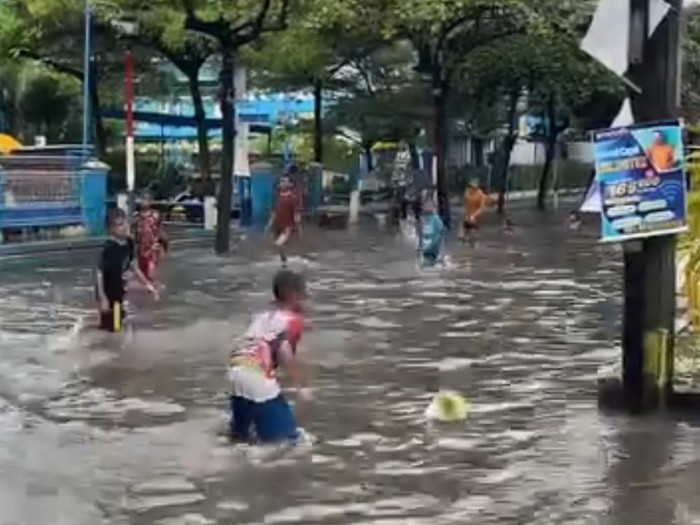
pixel 126 430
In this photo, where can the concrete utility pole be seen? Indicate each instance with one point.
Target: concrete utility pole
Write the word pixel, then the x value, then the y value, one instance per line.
pixel 650 264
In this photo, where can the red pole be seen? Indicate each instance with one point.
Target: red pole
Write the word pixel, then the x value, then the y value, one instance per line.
pixel 129 88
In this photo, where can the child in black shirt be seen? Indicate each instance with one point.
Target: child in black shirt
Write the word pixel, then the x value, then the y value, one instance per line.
pixel 116 259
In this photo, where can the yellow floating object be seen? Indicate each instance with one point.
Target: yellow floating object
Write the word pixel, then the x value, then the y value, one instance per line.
pixel 8 144
pixel 447 407
pixel 117 316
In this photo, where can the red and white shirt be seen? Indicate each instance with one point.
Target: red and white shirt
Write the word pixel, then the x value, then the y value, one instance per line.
pixel 271 337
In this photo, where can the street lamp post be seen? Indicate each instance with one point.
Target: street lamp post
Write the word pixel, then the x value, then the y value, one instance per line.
pixel 87 48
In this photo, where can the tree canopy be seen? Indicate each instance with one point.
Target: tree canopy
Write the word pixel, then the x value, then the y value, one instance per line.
pixel 379 70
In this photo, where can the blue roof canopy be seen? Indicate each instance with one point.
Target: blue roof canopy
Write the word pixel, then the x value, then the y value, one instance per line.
pixel 151 125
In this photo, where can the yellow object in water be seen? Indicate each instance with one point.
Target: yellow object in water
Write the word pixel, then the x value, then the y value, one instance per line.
pixel 117 316
pixel 8 144
pixel 447 407
pixel 178 213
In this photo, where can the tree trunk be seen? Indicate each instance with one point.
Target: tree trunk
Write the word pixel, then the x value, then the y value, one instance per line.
pixel 507 150
pixel 550 150
pixel 318 120
pixel 413 153
pixel 8 113
pixel 504 168
pixel 200 117
pixel 369 161
pixel 440 145
pixel 226 99
pixel 99 131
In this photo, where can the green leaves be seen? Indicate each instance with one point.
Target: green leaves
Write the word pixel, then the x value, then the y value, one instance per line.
pixel 382 99
pixel 45 98
pixel 690 96
pixel 236 23
pixel 291 59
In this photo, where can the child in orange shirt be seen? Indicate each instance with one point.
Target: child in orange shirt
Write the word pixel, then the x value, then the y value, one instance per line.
pixel 475 201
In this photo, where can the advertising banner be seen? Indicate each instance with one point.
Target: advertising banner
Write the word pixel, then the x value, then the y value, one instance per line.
pixel 641 180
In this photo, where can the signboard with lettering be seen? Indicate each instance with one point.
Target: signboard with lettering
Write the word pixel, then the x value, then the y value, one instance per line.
pixel 641 179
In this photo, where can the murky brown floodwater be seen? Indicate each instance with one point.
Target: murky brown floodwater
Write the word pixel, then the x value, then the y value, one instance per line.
pixel 125 431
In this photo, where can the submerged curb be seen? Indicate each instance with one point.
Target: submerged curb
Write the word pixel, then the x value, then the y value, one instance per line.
pixel 61 248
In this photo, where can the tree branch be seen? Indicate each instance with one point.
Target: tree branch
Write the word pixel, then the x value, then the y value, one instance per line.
pixel 448 31
pixel 216 29
pixel 251 30
pixel 473 45
pixel 365 77
pixel 256 23
pixel 189 59
pixel 333 70
pixel 52 64
pixel 242 34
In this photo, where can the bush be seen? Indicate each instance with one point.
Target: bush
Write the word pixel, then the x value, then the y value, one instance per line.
pixel 571 175
pixel 459 177
pixel 151 174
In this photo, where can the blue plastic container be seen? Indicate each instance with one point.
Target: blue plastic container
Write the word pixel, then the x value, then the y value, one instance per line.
pixel 262 194
pixel 94 198
pixel 315 188
pixel 244 200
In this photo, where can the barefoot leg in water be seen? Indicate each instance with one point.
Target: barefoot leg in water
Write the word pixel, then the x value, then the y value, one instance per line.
pixel 281 244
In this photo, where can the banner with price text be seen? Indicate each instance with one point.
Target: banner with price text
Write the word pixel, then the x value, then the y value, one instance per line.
pixel 641 179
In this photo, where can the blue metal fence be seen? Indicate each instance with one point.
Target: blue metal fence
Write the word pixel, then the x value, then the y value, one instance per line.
pixel 45 191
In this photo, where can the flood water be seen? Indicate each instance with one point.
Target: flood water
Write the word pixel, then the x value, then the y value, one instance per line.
pixel 127 430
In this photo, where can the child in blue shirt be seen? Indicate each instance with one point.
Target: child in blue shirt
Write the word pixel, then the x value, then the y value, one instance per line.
pixel 433 234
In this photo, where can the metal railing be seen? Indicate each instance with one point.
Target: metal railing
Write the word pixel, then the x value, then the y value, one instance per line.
pixel 40 191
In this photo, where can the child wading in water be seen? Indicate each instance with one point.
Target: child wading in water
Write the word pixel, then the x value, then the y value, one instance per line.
pixel 286 217
pixel 475 201
pixel 258 407
pixel 116 260
pixel 150 239
pixel 433 234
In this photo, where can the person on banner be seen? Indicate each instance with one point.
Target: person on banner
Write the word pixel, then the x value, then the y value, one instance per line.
pixel 661 154
pixel 285 219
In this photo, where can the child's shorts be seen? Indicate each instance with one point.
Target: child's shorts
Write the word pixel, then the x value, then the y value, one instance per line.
pixel 269 421
pixel 469 225
pixel 113 319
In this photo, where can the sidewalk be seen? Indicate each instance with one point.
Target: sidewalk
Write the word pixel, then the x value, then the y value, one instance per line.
pixel 179 235
pixel 184 235
pixel 515 200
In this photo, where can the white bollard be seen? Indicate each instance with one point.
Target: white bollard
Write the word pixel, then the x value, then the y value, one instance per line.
pixel 209 213
pixel 354 212
pixel 123 202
